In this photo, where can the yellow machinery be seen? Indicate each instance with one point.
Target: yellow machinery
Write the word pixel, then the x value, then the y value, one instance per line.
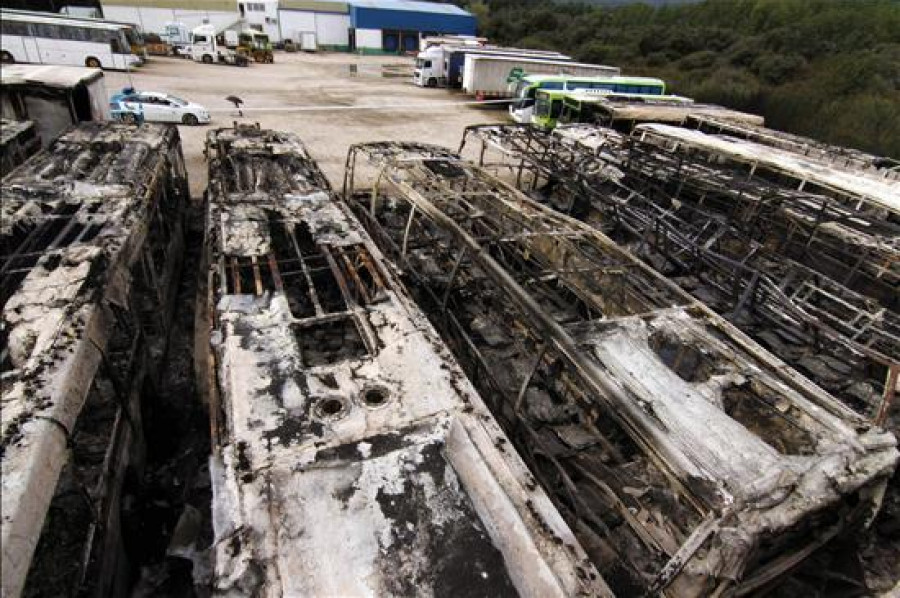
pixel 255 45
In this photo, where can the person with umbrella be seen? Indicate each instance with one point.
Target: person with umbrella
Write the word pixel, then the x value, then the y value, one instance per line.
pixel 237 103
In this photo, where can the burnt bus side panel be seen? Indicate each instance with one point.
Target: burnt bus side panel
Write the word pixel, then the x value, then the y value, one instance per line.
pixel 91 244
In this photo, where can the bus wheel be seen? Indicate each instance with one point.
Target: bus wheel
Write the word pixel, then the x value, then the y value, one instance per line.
pixel 207 59
pixel 92 62
pixel 6 57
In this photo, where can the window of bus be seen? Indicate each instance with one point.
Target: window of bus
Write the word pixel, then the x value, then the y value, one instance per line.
pixel 526 91
pixel 589 114
pixel 118 45
pixel 521 101
pixel 85 34
pixel 47 30
pixel 547 107
pixel 77 34
pixel 556 108
pixel 570 111
pixel 134 37
pixel 10 27
pixel 542 107
pixel 639 89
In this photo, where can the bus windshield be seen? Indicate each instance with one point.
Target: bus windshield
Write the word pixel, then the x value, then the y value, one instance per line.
pixel 134 36
pixel 521 88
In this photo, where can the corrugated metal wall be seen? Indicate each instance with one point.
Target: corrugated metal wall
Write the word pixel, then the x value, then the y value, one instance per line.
pixel 332 30
pixel 407 20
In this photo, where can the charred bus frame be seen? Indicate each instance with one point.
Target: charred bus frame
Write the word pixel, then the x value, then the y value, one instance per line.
pixel 351 455
pixel 91 249
pixel 671 442
pixel 784 265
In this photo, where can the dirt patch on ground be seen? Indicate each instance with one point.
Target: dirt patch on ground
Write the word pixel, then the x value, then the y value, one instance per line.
pixel 354 99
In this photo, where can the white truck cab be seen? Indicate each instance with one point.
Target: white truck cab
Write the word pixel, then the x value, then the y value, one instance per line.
pixel 207 49
pixel 203 43
pixel 431 68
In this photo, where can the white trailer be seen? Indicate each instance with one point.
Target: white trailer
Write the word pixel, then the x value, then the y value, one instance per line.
pixel 441 65
pixel 178 36
pixel 486 76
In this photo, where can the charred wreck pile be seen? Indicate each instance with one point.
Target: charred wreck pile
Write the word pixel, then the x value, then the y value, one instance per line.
pixel 812 272
pixel 91 243
pixel 686 458
pixel 351 456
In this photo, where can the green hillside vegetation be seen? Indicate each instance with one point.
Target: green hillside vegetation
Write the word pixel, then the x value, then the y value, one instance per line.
pixel 829 69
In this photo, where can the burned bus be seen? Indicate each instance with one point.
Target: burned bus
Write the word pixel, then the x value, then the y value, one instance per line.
pixel 686 458
pixel 91 233
pixel 351 456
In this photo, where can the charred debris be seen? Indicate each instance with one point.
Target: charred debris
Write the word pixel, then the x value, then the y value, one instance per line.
pixel 91 235
pixel 686 458
pixel 796 243
pixel 18 141
pixel 647 364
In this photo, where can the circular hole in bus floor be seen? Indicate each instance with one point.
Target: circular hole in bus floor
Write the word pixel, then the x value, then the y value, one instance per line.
pixel 375 396
pixel 331 408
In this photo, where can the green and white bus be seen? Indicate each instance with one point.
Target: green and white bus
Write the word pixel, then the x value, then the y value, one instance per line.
pixel 590 106
pixel 522 107
pixel 548 106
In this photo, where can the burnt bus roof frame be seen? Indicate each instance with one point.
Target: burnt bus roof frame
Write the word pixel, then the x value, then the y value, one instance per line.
pixel 694 239
pixel 92 245
pixel 447 196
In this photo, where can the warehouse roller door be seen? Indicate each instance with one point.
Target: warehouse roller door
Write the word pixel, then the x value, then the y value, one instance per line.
pixel 390 42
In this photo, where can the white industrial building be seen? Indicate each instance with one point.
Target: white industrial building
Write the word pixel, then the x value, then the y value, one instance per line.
pixel 367 26
pixel 330 21
pixel 152 15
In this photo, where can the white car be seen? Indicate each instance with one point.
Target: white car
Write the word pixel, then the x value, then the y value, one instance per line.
pixel 152 106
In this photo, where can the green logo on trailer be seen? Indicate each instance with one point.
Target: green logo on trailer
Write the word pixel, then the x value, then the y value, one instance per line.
pixel 515 74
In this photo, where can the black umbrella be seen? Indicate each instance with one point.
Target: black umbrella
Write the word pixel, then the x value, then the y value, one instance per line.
pixel 237 103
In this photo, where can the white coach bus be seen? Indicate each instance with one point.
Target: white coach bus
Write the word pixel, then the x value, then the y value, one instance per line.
pixel 50 39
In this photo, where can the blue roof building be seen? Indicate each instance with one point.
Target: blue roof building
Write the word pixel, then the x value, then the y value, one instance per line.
pixel 395 26
pixel 368 26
